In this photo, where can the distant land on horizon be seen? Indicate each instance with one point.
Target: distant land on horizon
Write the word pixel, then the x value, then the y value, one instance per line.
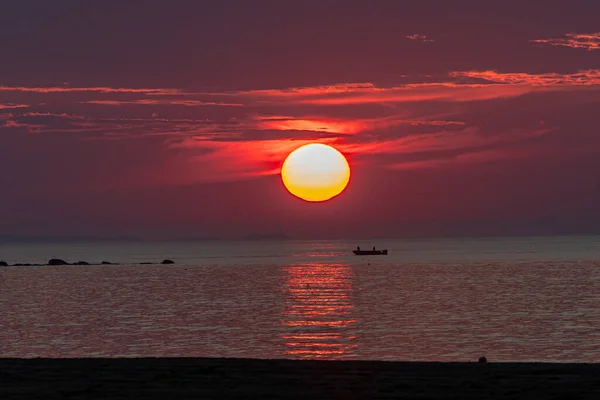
pixel 7 238
pixel 268 236
pixel 280 235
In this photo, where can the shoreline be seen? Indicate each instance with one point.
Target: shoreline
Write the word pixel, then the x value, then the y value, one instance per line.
pixel 157 378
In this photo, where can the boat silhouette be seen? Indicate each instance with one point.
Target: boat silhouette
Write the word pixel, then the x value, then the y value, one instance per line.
pixel 359 252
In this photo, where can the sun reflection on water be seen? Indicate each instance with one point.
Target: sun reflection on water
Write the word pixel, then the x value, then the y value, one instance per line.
pixel 318 312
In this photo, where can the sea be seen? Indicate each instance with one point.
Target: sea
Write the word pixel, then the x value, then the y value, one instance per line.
pixel 508 299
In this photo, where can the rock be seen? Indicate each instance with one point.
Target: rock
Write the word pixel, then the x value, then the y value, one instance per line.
pixel 168 262
pixel 57 261
pixel 3 264
pixel 482 360
pixel 81 263
pixel 106 263
pixel 18 265
pixel 145 263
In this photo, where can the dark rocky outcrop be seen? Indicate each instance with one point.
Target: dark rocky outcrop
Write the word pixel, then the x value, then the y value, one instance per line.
pixel 106 263
pixel 168 262
pixel 145 263
pixel 3 264
pixel 57 261
pixel 81 263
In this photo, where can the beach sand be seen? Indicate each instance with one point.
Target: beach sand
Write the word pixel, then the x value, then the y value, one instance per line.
pixel 202 378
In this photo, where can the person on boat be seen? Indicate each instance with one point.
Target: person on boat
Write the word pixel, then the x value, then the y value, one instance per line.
pixel 358 248
pixel 373 249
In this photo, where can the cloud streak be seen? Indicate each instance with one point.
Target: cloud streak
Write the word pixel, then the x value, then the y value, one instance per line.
pixel 458 86
pixel 154 102
pixel 346 126
pixel 590 77
pixel 585 41
pixel 67 89
pixel 246 133
pixel 419 37
pixel 12 106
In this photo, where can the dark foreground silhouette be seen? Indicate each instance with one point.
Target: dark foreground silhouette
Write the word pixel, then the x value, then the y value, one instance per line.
pixel 58 261
pixel 163 378
pixel 373 252
pixel 370 252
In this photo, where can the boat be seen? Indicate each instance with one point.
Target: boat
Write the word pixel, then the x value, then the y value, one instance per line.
pixel 370 252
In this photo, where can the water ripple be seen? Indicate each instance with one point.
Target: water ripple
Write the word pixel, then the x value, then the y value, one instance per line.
pixel 509 311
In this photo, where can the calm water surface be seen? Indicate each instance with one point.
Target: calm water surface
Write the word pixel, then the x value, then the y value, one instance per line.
pixel 449 300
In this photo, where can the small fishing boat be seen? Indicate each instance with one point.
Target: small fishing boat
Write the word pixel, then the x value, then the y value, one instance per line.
pixel 359 252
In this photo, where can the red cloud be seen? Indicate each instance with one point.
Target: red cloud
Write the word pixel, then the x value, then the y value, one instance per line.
pixel 308 91
pixel 348 125
pixel 581 78
pixel 587 41
pixel 244 159
pixel 419 92
pixel 11 106
pixel 233 144
pixel 366 93
pixel 226 160
pixel 306 124
pixel 483 85
pixel 459 86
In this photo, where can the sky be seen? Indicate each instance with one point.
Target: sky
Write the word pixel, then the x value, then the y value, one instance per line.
pixel 171 120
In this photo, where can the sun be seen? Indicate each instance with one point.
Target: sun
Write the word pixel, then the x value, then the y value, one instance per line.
pixel 315 172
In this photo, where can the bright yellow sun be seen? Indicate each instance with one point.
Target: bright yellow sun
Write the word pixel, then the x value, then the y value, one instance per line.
pixel 315 172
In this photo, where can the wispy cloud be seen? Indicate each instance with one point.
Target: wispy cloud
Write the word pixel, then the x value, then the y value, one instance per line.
pixel 12 106
pixel 586 41
pixel 368 93
pixel 245 159
pixel 418 92
pixel 582 78
pixel 458 86
pixel 172 102
pixel 514 149
pixel 67 89
pixel 420 37
pixel 465 139
pixel 339 125
pixel 248 133
pixel 308 124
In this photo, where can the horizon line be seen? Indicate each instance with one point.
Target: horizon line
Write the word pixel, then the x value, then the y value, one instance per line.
pixel 49 239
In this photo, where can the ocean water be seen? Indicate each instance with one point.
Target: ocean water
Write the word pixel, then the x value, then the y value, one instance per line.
pixel 510 299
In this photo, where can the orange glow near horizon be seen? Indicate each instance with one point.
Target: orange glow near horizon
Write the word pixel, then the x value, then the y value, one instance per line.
pixel 315 172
